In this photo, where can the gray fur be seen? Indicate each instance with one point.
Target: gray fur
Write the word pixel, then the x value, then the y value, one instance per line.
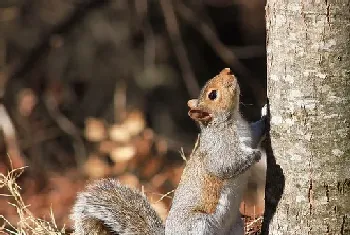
pixel 221 153
pixel 224 152
pixel 107 207
pixel 226 155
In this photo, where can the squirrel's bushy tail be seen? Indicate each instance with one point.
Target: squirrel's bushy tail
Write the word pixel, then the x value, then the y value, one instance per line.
pixel 107 207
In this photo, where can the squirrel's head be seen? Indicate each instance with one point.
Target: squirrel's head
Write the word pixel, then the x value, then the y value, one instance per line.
pixel 218 100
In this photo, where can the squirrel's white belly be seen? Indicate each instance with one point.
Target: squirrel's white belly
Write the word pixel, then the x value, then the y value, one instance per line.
pixel 227 212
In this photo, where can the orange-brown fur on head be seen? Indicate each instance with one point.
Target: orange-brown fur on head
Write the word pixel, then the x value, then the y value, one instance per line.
pixel 219 95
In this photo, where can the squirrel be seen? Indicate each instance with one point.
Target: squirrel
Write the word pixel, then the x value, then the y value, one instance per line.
pixel 209 193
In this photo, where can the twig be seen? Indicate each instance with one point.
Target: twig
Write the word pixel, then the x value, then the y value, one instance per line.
pixel 249 227
pixel 179 47
pixel 10 3
pixel 10 137
pixel 175 144
pixel 40 137
pixel 165 195
pixel 182 154
pixel 253 222
pixel 226 54
pixel 68 127
pixel 82 9
pixel 6 125
pixel 247 52
pixel 119 100
pixel 150 42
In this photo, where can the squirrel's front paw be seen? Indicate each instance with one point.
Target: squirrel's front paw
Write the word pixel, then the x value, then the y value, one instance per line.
pixel 256 154
pixel 253 154
pixel 263 111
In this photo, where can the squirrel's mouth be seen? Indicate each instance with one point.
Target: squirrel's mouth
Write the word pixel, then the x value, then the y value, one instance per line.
pixel 200 115
pixel 197 113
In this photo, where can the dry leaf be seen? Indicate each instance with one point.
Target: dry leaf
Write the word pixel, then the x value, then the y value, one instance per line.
pixel 135 123
pixel 120 167
pixel 175 174
pixel 107 146
pixel 119 133
pixel 253 203
pixel 148 134
pixel 162 146
pixel 143 148
pixel 152 166
pixel 123 153
pixel 129 180
pixel 158 180
pixel 94 130
pixel 95 167
pixel 26 101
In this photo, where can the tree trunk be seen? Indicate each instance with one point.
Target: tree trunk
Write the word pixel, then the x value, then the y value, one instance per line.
pixel 308 45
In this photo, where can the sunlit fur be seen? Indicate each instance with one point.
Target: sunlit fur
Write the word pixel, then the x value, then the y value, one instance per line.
pixel 222 155
pixel 208 197
pixel 107 207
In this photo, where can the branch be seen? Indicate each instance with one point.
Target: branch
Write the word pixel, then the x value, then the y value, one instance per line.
pixel 225 53
pixel 172 26
pixel 68 127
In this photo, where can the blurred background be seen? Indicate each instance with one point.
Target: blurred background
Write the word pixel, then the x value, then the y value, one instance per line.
pixel 98 88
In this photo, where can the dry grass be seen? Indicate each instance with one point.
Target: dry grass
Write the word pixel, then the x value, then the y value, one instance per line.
pixel 253 227
pixel 27 223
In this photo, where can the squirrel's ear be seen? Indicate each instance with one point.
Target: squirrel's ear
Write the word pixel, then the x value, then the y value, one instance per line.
pixel 226 71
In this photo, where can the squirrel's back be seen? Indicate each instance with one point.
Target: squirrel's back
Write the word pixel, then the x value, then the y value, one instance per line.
pixel 107 207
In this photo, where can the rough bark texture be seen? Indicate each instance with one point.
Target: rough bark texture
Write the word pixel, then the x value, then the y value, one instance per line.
pixel 309 91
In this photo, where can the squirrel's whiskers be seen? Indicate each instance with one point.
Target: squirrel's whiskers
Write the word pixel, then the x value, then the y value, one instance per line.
pixel 209 194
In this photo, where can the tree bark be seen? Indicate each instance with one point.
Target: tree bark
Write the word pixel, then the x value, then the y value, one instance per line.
pixel 308 46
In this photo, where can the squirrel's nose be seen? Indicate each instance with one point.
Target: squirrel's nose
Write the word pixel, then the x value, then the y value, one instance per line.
pixel 192 103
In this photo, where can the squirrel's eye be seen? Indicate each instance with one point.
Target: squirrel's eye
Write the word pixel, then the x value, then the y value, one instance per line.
pixel 212 95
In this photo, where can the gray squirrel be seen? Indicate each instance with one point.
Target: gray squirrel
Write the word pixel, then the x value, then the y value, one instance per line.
pixel 210 191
